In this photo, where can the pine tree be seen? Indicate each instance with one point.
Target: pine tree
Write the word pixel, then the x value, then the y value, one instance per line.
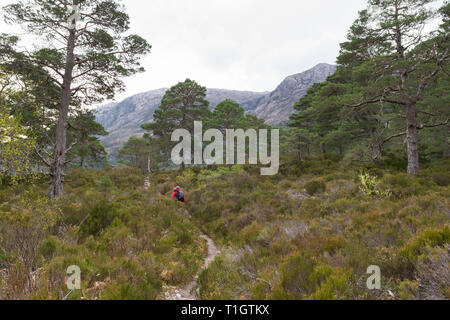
pixel 84 54
pixel 403 65
pixel 135 153
pixel 227 115
pixel 89 151
pixel 386 71
pixel 181 105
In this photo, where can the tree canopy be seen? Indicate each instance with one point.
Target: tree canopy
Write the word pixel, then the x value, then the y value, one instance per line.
pixel 83 53
pixel 388 70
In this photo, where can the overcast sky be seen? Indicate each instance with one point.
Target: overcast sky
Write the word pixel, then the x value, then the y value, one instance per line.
pixel 235 44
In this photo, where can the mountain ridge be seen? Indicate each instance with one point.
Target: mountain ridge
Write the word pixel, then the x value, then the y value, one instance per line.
pixel 124 119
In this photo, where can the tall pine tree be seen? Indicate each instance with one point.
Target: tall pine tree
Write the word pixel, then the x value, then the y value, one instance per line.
pixel 84 52
pixel 181 105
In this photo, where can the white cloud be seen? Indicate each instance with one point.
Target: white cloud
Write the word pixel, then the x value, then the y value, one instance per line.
pixel 246 44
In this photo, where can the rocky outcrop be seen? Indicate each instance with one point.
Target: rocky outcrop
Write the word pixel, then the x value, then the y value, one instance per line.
pixel 278 106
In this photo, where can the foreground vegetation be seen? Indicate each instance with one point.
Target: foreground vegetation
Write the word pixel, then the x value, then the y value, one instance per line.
pixel 128 242
pixel 309 233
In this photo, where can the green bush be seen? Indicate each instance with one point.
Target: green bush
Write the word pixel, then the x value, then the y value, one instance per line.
pixel 295 276
pixel 49 247
pixel 331 284
pixel 105 183
pixel 98 219
pixel 370 186
pixel 442 179
pixel 407 290
pixel 403 185
pixel 430 238
pixel 315 187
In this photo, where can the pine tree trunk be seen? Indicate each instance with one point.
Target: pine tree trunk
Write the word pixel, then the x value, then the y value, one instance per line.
pixel 376 150
pixel 322 146
pixel 59 161
pixel 412 139
pixel 446 147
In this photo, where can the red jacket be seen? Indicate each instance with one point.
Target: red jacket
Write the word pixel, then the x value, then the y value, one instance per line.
pixel 175 192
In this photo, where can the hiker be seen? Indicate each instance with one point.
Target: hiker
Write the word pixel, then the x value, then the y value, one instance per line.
pixel 178 194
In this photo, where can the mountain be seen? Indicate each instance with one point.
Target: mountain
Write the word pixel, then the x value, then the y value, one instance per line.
pixel 124 119
pixel 277 106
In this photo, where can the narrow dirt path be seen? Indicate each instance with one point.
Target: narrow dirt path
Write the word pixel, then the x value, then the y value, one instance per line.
pixel 186 292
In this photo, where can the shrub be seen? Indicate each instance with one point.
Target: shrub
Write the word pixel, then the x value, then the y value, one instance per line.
pixel 296 273
pixel 332 284
pixel 407 290
pixel 280 243
pixel 243 181
pixel 403 185
pixel 430 238
pixel 124 289
pixel 221 280
pixel 98 219
pixel 315 187
pixel 370 186
pixel 49 247
pixel 187 178
pixel 126 178
pixel 441 179
pixel 22 231
pixel 105 183
pixel 251 232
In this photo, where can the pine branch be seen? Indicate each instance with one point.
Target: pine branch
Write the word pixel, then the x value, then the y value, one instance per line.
pixel 423 126
pixel 394 136
pixel 73 144
pixel 46 161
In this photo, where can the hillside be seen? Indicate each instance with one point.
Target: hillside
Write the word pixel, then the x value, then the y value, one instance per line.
pixel 124 119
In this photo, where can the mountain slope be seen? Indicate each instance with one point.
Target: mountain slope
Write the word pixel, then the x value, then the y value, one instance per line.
pixel 277 106
pixel 124 119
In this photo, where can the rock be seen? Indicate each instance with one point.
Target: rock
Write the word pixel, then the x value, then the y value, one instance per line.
pixel 295 228
pixel 277 107
pixel 298 195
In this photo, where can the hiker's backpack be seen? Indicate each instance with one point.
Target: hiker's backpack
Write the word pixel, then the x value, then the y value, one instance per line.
pixel 180 195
